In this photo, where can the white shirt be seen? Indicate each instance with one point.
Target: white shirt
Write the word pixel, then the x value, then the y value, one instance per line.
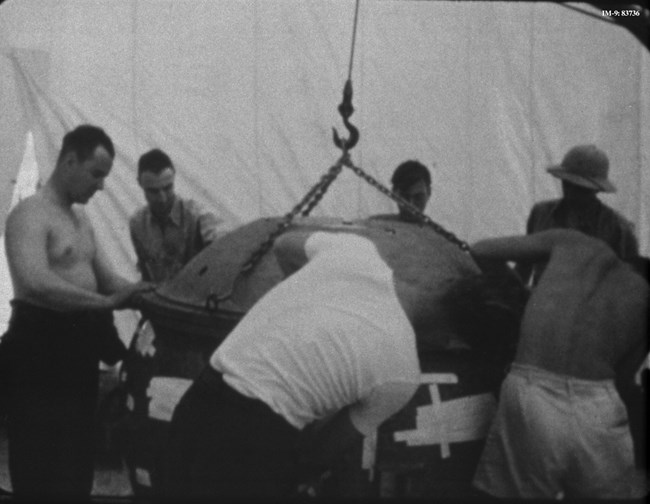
pixel 332 334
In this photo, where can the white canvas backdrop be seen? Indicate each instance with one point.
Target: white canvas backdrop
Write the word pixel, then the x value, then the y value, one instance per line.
pixel 243 93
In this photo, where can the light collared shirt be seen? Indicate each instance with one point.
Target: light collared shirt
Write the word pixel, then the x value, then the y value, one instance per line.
pixel 163 248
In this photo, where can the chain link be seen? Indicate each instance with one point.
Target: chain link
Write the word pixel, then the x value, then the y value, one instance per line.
pixel 314 196
pixel 304 207
pixel 411 209
pixel 316 193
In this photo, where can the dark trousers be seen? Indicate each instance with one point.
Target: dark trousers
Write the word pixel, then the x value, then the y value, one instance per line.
pixel 52 446
pixel 52 362
pixel 223 444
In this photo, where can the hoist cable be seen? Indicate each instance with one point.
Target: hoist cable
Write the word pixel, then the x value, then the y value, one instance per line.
pixel 354 38
pixel 345 108
pixel 316 193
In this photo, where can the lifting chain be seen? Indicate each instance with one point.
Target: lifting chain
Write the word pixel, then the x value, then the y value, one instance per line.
pixel 304 207
pixel 408 206
pixel 307 204
pixel 316 193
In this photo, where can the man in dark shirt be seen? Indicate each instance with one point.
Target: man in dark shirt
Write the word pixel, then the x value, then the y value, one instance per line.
pixel 583 173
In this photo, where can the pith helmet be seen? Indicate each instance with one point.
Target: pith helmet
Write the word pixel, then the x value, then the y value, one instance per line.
pixel 586 166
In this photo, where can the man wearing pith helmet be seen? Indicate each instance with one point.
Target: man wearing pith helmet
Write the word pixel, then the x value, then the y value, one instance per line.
pixel 583 173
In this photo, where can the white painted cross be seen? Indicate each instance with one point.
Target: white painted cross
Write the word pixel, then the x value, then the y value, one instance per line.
pixel 464 419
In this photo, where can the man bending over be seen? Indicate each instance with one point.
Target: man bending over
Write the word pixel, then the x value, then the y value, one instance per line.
pixel 332 347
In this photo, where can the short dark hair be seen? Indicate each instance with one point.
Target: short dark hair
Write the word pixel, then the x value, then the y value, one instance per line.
pixel 154 161
pixel 83 140
pixel 409 173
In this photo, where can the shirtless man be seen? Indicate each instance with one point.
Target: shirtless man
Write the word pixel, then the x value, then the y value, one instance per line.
pixel 61 325
pixel 561 427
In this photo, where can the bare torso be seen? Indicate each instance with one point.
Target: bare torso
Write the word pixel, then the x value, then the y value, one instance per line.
pixel 68 240
pixel 584 314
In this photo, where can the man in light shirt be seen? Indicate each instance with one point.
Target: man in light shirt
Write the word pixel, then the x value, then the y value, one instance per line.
pixel 169 230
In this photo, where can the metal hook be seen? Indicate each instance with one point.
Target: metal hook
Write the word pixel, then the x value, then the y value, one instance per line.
pixel 346 110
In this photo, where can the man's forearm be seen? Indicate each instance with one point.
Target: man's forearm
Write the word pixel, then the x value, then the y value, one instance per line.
pixel 62 295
